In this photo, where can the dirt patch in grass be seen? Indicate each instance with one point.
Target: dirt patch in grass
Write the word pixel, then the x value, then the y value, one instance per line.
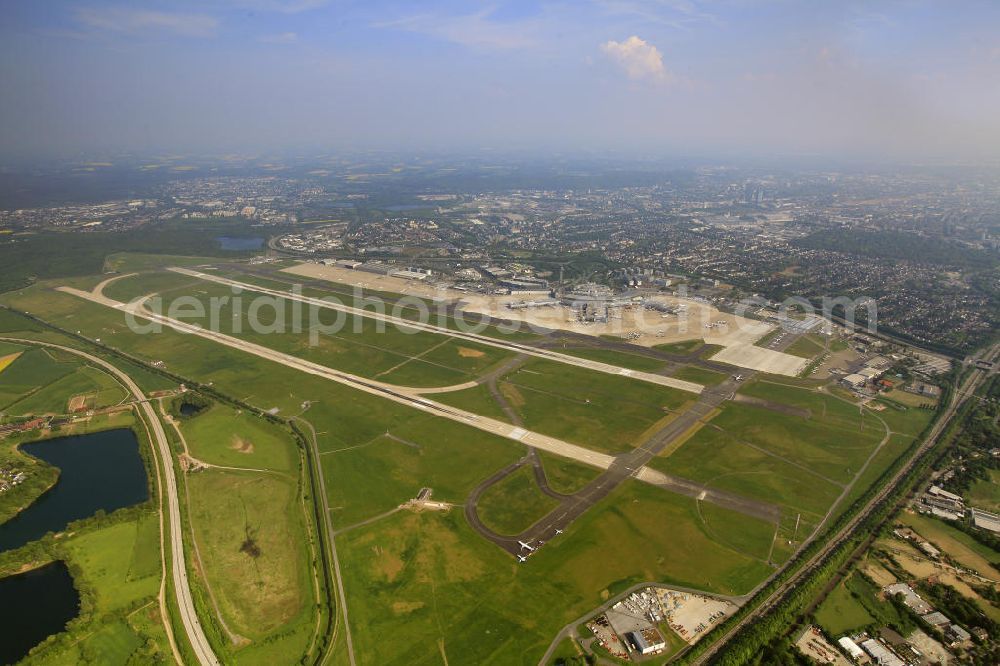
pixel 241 445
pixel 77 403
pixel 878 573
pixel 465 352
pixel 512 395
pixel 406 607
pixel 388 564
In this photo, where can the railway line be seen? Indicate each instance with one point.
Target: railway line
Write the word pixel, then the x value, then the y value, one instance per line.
pixel 958 398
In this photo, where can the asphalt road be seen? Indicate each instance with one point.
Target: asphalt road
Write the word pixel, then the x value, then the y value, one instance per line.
pixel 192 626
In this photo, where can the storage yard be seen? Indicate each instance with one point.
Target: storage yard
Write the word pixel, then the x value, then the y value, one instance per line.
pixel 657 620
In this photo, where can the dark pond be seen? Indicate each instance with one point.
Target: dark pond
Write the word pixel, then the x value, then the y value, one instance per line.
pixel 33 606
pixel 189 409
pixel 100 470
pixel 232 244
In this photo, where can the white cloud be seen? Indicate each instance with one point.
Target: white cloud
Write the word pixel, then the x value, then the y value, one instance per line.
pixel 280 38
pixel 639 59
pixel 127 20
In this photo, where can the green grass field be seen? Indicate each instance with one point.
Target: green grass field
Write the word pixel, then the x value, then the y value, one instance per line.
pixel 685 347
pixel 515 503
pixel 99 388
pixel 841 613
pixel 362 346
pixel 564 475
pixel 224 435
pixel 985 494
pixel 477 399
pixel 602 412
pixel 369 476
pixel 422 587
pixel 716 458
pixel 119 564
pixel 692 373
pixel 622 359
pixel 250 533
pixel 807 346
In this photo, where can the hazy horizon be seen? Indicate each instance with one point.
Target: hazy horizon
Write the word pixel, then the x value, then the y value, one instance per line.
pixel 887 81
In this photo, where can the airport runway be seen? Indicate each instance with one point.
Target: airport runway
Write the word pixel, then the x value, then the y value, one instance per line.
pixel 617 468
pixel 408 397
pixel 598 366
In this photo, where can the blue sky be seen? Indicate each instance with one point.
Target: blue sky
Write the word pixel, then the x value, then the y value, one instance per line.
pixel 903 80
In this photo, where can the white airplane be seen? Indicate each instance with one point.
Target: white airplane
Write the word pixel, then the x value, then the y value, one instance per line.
pixel 525 545
pixel 558 531
pixel 522 558
pixel 738 378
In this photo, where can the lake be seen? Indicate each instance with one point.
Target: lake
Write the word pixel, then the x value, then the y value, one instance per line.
pixel 233 244
pixel 97 471
pixel 33 606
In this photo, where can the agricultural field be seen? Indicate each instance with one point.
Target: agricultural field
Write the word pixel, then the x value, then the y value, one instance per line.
pixel 961 547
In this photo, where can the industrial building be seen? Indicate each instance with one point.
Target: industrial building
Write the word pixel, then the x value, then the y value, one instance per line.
pixel 881 654
pixel 985 520
pixel 854 381
pixel 646 641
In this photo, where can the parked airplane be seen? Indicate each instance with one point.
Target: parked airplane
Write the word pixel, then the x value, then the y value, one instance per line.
pixel 522 558
pixel 558 531
pixel 525 546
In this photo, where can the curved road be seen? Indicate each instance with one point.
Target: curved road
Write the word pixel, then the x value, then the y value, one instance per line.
pixel 192 626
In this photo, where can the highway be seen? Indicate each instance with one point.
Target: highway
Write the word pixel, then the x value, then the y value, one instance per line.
pixel 192 626
pixel 958 397
pixel 607 368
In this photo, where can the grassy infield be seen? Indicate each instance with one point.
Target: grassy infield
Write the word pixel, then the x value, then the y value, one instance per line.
pixel 420 586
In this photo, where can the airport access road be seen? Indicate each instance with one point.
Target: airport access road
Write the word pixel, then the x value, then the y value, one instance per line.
pixel 182 588
pixel 508 345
